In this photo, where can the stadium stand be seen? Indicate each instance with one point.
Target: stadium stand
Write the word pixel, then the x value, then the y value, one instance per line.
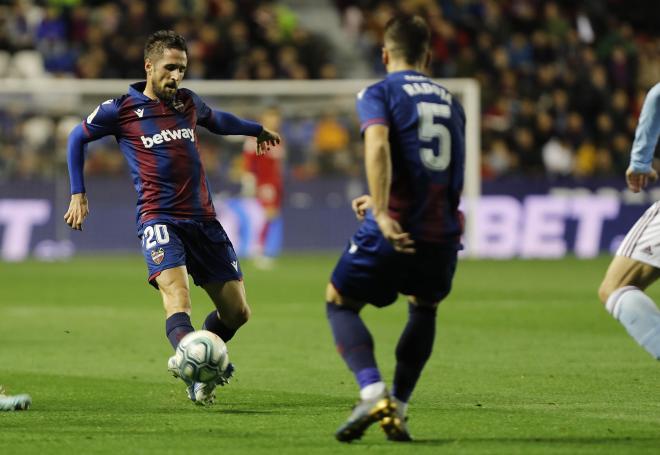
pixel 562 83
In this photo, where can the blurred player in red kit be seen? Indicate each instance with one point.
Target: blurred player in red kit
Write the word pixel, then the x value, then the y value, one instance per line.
pixel 263 179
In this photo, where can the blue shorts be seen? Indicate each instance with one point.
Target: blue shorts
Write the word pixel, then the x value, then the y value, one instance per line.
pixel 202 246
pixel 371 271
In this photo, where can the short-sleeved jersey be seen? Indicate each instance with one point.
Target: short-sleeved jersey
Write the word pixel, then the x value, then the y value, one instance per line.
pixel 427 145
pixel 160 144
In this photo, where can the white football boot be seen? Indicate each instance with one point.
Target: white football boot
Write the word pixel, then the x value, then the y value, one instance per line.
pixel 204 392
pixel 201 393
pixel 14 402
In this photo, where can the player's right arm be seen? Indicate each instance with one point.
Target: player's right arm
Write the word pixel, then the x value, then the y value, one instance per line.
pixel 640 172
pixel 101 122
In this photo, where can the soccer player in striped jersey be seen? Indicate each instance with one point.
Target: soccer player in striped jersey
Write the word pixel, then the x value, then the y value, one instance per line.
pixel 155 125
pixel 414 138
pixel 636 264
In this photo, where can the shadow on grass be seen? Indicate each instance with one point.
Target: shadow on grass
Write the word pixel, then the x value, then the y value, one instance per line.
pixel 570 440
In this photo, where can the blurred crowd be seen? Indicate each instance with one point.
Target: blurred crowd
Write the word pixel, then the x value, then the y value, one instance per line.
pixel 227 39
pixel 562 82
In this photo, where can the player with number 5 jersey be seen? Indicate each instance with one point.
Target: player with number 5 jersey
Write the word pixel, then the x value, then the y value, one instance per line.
pixel 414 138
pixel 155 125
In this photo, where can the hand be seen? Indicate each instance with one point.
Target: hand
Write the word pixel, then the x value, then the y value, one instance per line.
pixel 78 211
pixel 266 140
pixel 394 234
pixel 637 181
pixel 360 205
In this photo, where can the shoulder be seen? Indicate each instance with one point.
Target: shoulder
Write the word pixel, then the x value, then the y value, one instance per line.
pixel 373 91
pixel 107 109
pixel 185 94
pixel 654 93
pixel 188 97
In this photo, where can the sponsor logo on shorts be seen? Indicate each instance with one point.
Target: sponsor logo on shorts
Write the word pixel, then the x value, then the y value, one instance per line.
pixel 235 264
pixel 647 250
pixel 353 248
pixel 157 255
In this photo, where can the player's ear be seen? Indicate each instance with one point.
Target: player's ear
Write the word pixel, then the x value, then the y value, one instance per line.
pixel 427 59
pixel 385 56
pixel 148 66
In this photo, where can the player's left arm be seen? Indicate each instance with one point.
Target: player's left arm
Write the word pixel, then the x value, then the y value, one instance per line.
pixel 226 123
pixel 640 172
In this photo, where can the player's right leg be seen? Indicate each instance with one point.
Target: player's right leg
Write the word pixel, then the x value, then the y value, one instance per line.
pixel 635 266
pixel 622 293
pixel 427 281
pixel 175 291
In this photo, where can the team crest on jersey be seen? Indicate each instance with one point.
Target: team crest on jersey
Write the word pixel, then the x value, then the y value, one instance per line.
pixel 178 105
pixel 157 255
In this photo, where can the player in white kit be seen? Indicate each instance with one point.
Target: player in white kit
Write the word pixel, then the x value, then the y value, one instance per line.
pixel 637 262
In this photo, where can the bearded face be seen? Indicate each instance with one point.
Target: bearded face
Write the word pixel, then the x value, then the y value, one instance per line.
pixel 166 72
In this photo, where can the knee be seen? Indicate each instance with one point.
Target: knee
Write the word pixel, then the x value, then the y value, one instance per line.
pixel 335 300
pixel 605 290
pixel 243 315
pixel 430 306
pixel 237 317
pixel 331 295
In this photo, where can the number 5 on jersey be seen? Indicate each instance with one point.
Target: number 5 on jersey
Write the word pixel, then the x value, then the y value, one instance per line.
pixel 429 130
pixel 155 235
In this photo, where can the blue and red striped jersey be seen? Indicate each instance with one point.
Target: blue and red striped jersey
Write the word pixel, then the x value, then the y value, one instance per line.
pixel 159 142
pixel 427 145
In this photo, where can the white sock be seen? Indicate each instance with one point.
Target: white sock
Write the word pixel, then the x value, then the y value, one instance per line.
pixel 401 406
pixel 372 391
pixel 639 315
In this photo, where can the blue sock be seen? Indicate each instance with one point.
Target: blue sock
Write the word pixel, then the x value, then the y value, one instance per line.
pixel 639 315
pixel 178 326
pixel 214 324
pixel 354 343
pixel 413 350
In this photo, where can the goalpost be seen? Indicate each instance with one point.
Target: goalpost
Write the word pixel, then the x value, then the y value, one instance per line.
pixel 78 97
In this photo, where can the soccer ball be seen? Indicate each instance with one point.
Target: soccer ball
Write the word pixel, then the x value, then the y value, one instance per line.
pixel 201 356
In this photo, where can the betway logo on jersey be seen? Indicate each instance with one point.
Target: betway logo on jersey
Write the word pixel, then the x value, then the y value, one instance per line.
pixel 167 136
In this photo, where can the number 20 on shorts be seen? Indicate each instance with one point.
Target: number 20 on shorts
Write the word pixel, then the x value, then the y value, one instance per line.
pixel 155 235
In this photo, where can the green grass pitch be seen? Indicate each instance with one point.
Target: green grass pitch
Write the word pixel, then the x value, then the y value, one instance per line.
pixel 526 361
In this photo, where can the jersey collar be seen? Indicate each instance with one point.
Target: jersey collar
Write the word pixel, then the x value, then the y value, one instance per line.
pixel 136 90
pixel 405 72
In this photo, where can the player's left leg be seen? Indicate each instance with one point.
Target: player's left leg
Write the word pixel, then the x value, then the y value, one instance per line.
pixel 622 293
pixel 232 310
pixel 356 346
